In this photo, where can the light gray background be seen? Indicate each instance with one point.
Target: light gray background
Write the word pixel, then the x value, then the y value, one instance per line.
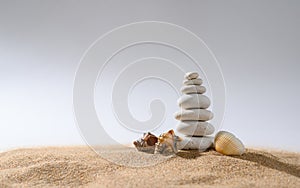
pixel 256 43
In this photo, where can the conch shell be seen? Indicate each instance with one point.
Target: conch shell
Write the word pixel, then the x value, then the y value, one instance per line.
pixel 167 143
pixel 146 143
pixel 227 144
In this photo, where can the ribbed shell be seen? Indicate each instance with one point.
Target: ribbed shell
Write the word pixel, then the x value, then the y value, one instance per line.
pixel 227 144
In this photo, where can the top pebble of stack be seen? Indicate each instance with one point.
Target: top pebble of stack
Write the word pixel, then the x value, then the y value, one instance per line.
pixel 191 75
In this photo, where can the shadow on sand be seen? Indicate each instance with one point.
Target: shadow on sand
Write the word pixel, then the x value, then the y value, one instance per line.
pixel 262 158
pixel 270 161
pixel 189 154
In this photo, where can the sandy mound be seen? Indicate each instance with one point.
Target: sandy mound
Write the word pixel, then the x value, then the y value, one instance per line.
pixel 80 166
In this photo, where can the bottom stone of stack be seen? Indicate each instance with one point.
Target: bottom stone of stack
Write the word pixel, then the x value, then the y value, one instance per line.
pixel 195 143
pixel 195 128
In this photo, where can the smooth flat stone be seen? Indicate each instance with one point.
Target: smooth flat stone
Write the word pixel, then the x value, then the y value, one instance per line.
pixel 190 89
pixel 194 114
pixel 195 128
pixel 193 101
pixel 196 81
pixel 191 75
pixel 195 143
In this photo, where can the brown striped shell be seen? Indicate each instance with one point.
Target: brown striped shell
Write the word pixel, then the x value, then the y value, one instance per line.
pixel 146 143
pixel 227 144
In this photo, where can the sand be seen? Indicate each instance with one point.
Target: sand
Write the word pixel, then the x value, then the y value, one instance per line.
pixel 82 167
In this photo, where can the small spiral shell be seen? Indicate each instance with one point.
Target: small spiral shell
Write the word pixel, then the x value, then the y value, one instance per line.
pixel 227 144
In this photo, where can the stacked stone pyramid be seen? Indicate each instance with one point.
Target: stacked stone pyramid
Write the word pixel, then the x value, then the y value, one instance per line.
pixel 193 114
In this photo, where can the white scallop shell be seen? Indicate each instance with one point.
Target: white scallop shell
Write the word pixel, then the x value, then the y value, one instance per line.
pixel 167 143
pixel 227 144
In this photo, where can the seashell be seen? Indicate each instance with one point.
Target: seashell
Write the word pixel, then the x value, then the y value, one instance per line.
pixel 191 75
pixel 191 89
pixel 193 101
pixel 146 143
pixel 167 143
pixel 196 81
pixel 194 114
pixel 227 144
